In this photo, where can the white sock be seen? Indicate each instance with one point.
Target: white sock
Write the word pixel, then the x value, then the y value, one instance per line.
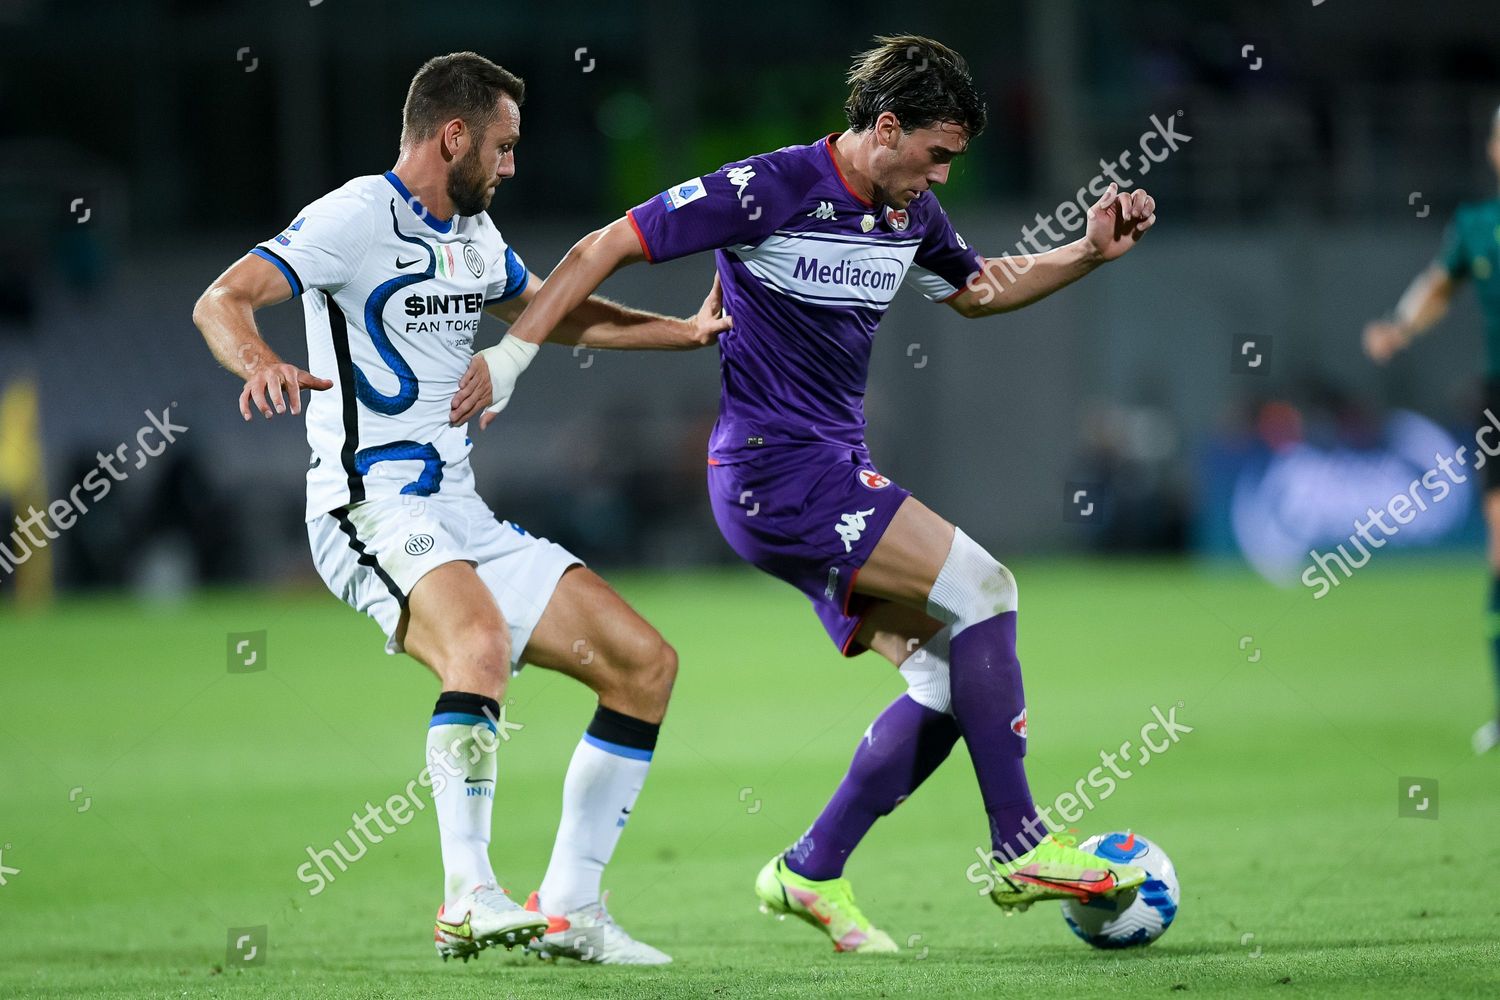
pixel 461 747
pixel 604 779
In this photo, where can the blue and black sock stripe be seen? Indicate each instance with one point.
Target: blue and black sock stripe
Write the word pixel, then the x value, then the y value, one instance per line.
pixel 366 557
pixel 622 735
pixel 460 708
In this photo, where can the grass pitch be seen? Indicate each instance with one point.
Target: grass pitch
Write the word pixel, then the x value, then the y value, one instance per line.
pixel 152 800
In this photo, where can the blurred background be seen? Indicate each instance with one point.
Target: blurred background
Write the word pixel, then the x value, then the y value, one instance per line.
pixel 1162 405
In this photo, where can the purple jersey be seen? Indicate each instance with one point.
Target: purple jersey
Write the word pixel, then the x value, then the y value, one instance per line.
pixel 808 268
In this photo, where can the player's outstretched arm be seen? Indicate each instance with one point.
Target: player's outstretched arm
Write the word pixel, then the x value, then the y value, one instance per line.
pixel 1116 222
pixel 592 259
pixel 1425 303
pixel 597 323
pixel 600 323
pixel 225 315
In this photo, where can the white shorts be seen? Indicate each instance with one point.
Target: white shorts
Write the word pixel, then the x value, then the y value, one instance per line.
pixel 371 555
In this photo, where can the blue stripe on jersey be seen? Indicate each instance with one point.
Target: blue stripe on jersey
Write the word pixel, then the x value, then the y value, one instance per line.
pixel 425 485
pixel 633 753
pixel 415 204
pixel 283 267
pixel 406 378
pixel 516 276
pixel 460 719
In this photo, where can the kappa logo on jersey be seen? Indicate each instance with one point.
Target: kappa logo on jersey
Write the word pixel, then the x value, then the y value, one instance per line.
pixel 897 219
pixel 872 480
pixel 740 177
pixel 851 527
pixel 688 191
pixel 1018 724
pixel 824 211
pixel 474 261
pixel 419 545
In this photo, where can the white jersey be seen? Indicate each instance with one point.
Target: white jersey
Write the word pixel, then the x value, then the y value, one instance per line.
pixel 393 299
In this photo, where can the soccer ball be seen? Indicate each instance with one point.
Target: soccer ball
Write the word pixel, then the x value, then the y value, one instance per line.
pixel 1134 917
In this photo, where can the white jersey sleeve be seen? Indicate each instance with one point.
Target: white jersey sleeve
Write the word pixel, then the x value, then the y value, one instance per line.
pixel 326 244
pixel 507 275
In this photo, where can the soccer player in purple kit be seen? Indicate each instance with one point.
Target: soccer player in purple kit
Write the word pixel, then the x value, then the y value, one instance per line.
pixel 813 242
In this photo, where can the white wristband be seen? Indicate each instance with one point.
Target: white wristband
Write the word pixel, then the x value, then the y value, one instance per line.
pixel 506 360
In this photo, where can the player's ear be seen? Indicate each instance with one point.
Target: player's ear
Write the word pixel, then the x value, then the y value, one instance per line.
pixel 454 136
pixel 888 129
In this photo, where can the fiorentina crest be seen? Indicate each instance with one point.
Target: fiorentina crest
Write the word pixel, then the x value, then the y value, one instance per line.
pixel 1018 724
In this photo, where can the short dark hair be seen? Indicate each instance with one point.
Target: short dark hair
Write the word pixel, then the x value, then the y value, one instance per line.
pixel 919 80
pixel 462 85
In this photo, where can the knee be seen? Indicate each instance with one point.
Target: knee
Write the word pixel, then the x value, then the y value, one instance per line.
pixel 972 585
pixel 640 678
pixel 476 658
pixel 928 683
pixel 657 672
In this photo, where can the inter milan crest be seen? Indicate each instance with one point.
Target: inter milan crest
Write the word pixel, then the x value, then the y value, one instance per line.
pixel 474 260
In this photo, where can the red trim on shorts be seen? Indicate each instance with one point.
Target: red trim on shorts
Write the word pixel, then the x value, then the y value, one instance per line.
pixel 630 216
pixel 828 145
pixel 849 595
pixel 712 460
pixel 859 623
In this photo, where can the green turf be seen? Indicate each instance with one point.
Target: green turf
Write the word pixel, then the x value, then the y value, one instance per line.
pixel 205 788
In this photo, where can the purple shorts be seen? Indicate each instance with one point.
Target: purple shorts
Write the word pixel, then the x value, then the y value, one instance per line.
pixel 810 515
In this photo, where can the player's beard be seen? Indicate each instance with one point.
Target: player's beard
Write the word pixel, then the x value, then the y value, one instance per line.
pixel 469 184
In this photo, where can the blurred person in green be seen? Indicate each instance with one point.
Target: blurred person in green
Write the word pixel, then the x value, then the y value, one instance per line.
pixel 1471 249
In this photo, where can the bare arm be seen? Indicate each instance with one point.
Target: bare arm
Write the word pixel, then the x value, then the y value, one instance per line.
pixel 1115 224
pixel 224 314
pixel 600 323
pixel 595 322
pixel 592 259
pixel 1425 302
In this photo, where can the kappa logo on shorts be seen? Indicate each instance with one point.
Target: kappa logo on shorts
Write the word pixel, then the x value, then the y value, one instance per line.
pixel 1018 724
pixel 419 545
pixel 872 480
pixel 852 526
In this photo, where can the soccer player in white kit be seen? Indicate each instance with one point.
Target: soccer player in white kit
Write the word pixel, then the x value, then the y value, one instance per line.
pixel 394 271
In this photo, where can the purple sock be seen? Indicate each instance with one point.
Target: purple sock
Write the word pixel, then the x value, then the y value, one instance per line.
pixel 901 748
pixel 991 711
